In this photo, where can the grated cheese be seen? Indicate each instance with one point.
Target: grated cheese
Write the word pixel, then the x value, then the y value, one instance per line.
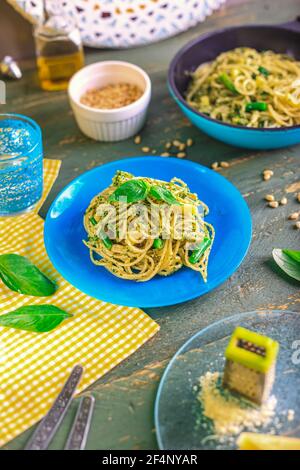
pixel 230 414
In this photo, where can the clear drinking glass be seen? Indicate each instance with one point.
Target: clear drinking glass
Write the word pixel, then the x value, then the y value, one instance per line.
pixel 21 164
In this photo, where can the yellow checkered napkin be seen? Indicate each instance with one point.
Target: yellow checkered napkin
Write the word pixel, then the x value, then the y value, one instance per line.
pixel 34 366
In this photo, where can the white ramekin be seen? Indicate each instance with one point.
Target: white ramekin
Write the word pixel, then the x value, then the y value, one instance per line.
pixel 109 124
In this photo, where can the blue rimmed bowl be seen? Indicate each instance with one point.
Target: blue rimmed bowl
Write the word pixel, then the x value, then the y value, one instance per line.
pixel 283 38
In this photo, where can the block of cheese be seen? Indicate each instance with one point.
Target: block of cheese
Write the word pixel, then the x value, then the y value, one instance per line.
pixel 250 365
pixel 253 441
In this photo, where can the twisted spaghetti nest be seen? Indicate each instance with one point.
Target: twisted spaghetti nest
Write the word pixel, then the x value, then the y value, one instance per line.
pixel 248 88
pixel 160 231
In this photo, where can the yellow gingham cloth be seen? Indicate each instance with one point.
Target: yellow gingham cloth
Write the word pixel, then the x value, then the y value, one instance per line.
pixel 34 366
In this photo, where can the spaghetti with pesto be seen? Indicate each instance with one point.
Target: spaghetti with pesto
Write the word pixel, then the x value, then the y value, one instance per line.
pixel 141 227
pixel 246 87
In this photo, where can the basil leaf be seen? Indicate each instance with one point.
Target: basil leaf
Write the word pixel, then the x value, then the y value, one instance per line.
pixel 295 255
pixel 134 190
pixel 36 318
pixel 163 194
pixel 20 275
pixel 288 261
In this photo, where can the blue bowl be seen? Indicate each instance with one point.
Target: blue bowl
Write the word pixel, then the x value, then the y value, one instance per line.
pixel 282 39
pixel 64 232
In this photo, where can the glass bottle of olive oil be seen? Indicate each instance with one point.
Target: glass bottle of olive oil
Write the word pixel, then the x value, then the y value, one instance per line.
pixel 58 47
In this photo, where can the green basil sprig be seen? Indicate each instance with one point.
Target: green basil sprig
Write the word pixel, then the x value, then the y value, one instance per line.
pixel 36 318
pixel 137 190
pixel 288 261
pixel 163 194
pixel 20 275
pixel 134 190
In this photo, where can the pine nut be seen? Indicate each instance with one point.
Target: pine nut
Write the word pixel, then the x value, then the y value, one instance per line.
pixel 189 142
pixel 145 149
pixel 283 201
pixel 224 164
pixel 269 197
pixel 273 204
pixel 137 139
pixel 181 155
pixel 294 216
pixel 215 165
pixel 297 225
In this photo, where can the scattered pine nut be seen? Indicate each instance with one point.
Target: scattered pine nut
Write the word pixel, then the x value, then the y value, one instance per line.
pixel 154 151
pixel 189 142
pixel 273 204
pixel 269 197
pixel 137 139
pixel 165 154
pixel 267 174
pixel 182 147
pixel 145 149
pixel 176 143
pixel 294 216
pixel 224 164
pixel 168 145
pixel 181 155
pixel 283 201
pixel 298 197
pixel 215 165
pixel 297 225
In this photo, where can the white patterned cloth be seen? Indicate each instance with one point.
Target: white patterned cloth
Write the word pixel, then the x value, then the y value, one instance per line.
pixel 126 23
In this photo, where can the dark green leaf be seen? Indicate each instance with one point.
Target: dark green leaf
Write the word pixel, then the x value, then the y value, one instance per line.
pixel 163 194
pixel 288 261
pixel 199 251
pixel 20 275
pixel 134 190
pixel 37 318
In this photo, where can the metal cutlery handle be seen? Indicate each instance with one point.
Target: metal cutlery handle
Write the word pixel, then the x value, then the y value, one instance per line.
pixel 81 426
pixel 45 431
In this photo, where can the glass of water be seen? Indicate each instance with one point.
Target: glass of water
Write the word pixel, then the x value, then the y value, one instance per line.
pixel 21 164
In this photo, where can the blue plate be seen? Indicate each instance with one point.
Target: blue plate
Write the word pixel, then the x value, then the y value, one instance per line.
pixel 64 233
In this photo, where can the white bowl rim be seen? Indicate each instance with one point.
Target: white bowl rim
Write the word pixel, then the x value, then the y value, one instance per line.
pixel 116 110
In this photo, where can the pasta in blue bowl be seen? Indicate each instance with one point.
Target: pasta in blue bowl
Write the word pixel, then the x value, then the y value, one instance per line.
pixel 241 85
